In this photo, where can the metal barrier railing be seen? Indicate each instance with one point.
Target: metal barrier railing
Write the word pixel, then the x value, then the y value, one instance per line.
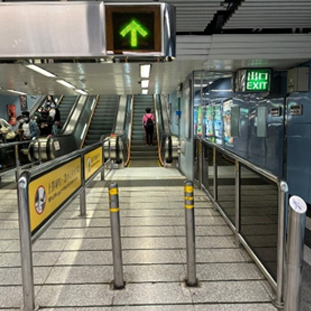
pixel 43 194
pixel 226 178
pixel 18 167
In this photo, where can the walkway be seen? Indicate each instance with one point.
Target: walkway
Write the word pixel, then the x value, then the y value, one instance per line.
pixel 73 260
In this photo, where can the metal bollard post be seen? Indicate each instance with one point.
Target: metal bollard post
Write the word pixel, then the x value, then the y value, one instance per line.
pixel 295 237
pixel 190 234
pixel 116 236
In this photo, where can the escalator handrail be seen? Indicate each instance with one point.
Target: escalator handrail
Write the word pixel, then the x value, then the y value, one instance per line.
pixel 130 133
pixel 70 114
pixel 159 137
pixel 90 121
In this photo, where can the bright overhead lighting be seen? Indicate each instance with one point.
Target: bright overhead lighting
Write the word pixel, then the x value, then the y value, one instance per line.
pixel 145 70
pixel 40 70
pixel 17 92
pixel 144 91
pixel 65 83
pixel 144 84
pixel 81 92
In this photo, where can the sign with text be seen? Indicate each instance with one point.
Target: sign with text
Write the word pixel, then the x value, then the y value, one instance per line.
pixel 133 29
pixel 93 161
pixel 48 192
pixel 257 80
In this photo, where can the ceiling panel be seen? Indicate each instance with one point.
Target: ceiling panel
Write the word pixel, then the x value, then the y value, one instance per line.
pixel 191 16
pixel 263 14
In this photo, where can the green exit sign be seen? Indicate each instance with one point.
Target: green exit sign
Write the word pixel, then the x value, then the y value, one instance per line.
pixel 134 29
pixel 257 80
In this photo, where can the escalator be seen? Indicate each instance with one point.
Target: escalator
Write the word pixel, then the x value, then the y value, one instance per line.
pixel 103 119
pixel 65 106
pixel 142 155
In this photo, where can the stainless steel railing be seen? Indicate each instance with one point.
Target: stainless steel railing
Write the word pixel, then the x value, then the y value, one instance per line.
pixel 209 172
pixel 64 178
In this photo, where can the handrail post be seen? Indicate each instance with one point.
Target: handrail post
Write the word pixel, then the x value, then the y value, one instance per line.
pixel 118 281
pixel 215 176
pixel 102 172
pixel 190 234
pixel 296 232
pixel 237 201
pixel 17 162
pixel 282 190
pixel 82 194
pixel 26 246
pixel 200 159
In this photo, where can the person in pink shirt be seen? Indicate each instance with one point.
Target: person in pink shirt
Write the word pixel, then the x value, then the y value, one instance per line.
pixel 148 125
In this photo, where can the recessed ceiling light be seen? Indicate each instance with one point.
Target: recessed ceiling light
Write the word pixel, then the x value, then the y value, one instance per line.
pixel 144 84
pixel 17 92
pixel 81 92
pixel 145 70
pixel 65 83
pixel 42 71
pixel 144 91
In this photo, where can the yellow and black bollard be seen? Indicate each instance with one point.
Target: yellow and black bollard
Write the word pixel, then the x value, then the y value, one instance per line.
pixel 118 281
pixel 190 234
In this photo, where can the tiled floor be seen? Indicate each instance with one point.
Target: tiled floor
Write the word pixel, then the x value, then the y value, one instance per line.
pixel 73 260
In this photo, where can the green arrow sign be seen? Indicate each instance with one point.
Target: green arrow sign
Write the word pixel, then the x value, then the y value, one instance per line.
pixel 134 28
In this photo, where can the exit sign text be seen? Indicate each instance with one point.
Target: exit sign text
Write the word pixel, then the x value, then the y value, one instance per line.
pixel 258 80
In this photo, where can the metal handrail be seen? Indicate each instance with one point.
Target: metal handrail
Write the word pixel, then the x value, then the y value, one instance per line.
pixel 157 131
pixel 27 238
pixel 90 120
pixel 130 136
pixel 17 166
pixel 282 191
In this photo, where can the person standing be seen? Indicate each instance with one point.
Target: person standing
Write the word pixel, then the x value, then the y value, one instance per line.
pixel 148 125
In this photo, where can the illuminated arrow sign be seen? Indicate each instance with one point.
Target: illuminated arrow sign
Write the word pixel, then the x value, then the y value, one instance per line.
pixel 134 28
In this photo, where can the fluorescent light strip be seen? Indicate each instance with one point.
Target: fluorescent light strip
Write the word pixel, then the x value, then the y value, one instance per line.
pixel 17 92
pixel 144 91
pixel 65 83
pixel 42 71
pixel 81 92
pixel 85 125
pixel 145 70
pixel 144 84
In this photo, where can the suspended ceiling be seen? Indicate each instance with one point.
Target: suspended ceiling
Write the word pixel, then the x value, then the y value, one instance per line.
pixel 217 52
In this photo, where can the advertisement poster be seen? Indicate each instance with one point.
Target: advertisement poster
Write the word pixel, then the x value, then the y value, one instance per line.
pixel 12 114
pixel 48 192
pixel 23 102
pixel 199 130
pixel 227 123
pixel 218 124
pixel 209 122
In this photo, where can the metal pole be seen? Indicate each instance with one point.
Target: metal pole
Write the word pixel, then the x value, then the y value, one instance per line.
pixel 116 236
pixel 237 201
pixel 215 176
pixel 17 162
pixel 282 207
pixel 200 159
pixel 82 194
pixel 190 234
pixel 26 246
pixel 296 231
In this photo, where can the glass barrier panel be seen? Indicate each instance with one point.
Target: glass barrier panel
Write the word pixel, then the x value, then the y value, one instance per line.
pixel 259 216
pixel 226 184
pixel 196 159
pixel 208 169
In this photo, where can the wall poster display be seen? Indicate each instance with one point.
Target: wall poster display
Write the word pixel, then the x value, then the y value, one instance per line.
pixel 227 105
pixel 218 130
pixel 23 102
pixel 209 123
pixel 12 114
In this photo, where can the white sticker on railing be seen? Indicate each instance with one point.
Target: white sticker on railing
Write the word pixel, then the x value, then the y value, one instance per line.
pixel 298 204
